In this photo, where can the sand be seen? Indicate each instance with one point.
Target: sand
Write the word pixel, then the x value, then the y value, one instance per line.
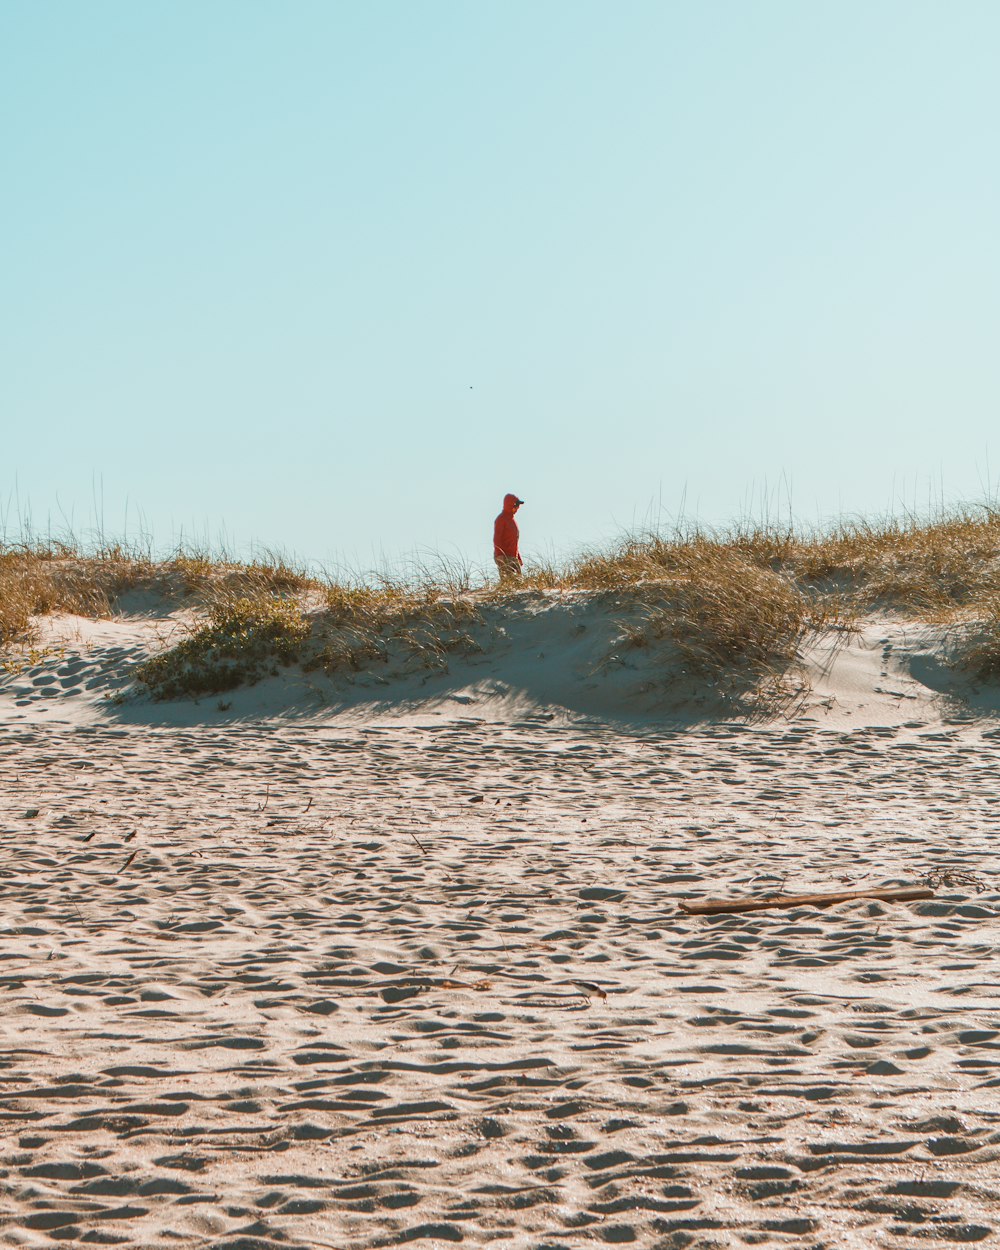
pixel 408 966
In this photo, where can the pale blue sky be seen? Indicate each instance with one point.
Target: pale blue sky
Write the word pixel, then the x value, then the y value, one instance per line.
pixel 333 277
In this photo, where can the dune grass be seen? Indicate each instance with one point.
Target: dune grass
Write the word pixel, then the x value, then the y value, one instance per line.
pixel 37 579
pixel 733 603
pixel 934 567
pixel 722 613
pixel 393 619
pixel 243 639
pixel 975 644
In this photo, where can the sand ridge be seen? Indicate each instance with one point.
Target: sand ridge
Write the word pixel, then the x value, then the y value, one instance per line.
pixel 564 656
pixel 362 985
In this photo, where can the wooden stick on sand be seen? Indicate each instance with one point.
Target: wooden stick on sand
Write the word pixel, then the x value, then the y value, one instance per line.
pixel 717 906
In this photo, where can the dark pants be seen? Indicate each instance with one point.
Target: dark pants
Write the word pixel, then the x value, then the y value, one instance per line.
pixel 507 567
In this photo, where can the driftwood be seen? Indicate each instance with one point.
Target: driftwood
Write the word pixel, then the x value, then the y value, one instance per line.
pixel 718 906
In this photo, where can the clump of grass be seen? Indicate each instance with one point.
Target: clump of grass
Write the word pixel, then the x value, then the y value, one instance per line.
pixel 24 592
pixel 730 606
pixel 723 613
pixel 208 579
pixel 242 640
pixel 416 626
pixel 936 570
pixel 931 568
pixel 246 636
pixel 536 576
pixel 195 572
pixel 976 643
pixel 36 580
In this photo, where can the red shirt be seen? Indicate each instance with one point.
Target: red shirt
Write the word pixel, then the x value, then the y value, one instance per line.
pixel 505 531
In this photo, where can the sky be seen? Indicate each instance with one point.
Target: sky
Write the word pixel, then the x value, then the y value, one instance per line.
pixel 330 278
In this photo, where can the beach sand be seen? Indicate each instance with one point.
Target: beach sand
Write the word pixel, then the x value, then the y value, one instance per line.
pixel 284 975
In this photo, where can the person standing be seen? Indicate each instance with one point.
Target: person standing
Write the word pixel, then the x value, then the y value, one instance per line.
pixel 506 536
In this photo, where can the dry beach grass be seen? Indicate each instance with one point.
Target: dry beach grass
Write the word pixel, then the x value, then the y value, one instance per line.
pixel 387 946
pixel 734 604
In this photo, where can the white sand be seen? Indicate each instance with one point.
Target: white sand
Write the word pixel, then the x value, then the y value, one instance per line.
pixel 363 966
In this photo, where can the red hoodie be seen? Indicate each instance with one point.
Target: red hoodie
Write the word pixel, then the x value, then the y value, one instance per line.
pixel 505 531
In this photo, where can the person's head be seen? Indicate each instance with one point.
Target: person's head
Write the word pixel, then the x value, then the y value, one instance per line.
pixel 511 503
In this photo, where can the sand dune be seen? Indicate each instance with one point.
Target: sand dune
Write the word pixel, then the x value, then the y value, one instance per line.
pixel 561 654
pixel 410 967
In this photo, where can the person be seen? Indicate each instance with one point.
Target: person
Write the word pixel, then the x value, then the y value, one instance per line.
pixel 506 552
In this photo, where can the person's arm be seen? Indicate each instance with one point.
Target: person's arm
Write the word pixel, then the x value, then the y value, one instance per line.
pixel 499 536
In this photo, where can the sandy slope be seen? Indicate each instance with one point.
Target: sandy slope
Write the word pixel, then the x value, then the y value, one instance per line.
pixel 417 973
pixel 563 654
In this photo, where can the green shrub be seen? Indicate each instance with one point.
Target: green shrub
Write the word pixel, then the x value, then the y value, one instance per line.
pixel 240 643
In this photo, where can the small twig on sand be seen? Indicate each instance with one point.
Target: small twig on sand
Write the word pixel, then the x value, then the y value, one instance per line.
pixel 426 852
pixel 938 877
pixel 721 906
